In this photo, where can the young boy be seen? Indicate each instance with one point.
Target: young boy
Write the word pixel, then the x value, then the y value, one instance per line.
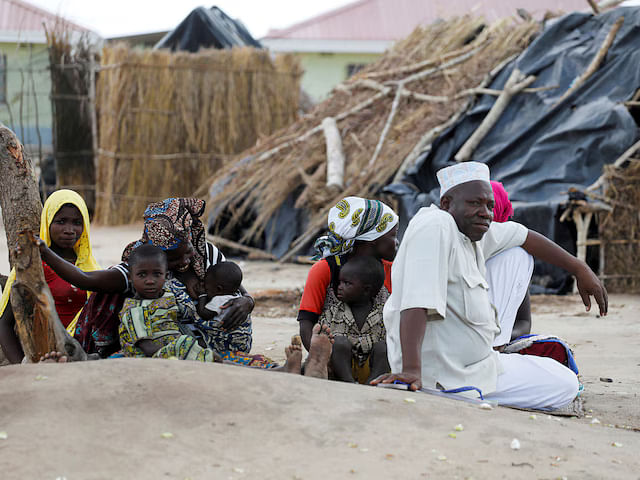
pixel 149 324
pixel 222 283
pixel 354 315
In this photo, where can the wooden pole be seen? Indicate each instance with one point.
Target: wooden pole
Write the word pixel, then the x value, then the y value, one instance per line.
pixel 596 62
pixel 335 153
pixel 37 324
pixel 516 83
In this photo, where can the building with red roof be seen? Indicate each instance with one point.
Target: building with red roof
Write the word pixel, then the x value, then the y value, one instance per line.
pixel 335 44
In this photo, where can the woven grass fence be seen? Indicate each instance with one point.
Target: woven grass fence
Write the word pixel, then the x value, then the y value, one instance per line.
pixel 169 120
pixel 72 102
pixel 619 230
pixel 386 114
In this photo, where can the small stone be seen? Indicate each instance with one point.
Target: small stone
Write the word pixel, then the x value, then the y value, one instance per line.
pixel 606 379
pixel 364 450
pixel 594 421
pixel 3 435
pixel 409 400
pixel 442 458
pixel 486 406
pixel 458 428
pixel 616 444
pixel 453 435
pixel 515 444
pixel 238 470
pixel 166 435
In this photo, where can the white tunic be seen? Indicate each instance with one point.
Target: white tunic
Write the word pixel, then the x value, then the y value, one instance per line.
pixel 439 269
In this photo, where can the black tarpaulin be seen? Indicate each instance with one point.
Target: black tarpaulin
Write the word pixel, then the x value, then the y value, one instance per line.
pixel 539 151
pixel 207 28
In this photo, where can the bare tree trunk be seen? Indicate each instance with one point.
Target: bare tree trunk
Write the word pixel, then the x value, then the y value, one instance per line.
pixel 37 324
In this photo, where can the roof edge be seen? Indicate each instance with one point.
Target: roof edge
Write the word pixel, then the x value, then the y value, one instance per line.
pixel 280 32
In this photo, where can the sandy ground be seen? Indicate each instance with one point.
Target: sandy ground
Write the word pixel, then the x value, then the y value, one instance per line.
pixel 106 419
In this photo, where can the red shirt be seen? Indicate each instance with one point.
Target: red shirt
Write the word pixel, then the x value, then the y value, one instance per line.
pixel 318 280
pixel 68 299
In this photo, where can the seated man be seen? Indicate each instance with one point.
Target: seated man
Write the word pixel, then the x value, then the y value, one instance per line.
pixel 440 323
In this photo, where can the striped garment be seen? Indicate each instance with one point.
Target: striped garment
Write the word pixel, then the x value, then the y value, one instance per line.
pixel 157 320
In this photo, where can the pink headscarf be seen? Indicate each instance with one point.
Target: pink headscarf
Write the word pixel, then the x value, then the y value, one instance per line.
pixel 502 209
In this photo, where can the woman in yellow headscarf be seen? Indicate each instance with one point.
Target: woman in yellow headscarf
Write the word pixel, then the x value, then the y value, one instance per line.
pixel 64 227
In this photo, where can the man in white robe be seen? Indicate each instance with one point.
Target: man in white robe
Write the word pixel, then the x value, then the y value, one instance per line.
pixel 441 326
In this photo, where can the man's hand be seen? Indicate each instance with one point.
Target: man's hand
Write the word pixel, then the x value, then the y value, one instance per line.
pixel 414 380
pixel 587 281
pixel 590 285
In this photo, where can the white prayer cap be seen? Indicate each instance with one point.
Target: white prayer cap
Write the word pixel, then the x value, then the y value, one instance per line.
pixel 464 172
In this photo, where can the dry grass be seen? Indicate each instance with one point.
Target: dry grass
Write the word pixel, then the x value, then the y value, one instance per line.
pixel 168 120
pixel 256 190
pixel 619 230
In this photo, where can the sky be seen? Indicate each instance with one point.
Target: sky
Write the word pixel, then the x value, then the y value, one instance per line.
pixel 111 18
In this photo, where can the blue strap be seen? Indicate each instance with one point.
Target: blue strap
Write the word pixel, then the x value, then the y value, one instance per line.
pixel 464 389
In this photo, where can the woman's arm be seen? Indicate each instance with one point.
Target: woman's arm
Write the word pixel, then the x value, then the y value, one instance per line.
pixel 588 283
pixel 8 338
pixel 103 281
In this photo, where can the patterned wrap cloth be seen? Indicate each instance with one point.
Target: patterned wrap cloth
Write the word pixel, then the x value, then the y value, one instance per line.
pixel 157 319
pixel 338 316
pixel 351 219
pixel 169 223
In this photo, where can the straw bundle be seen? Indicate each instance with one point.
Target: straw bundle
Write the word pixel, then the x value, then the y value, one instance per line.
pixel 619 230
pixel 71 104
pixel 379 126
pixel 168 120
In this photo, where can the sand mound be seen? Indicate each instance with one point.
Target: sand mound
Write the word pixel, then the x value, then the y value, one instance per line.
pixel 106 419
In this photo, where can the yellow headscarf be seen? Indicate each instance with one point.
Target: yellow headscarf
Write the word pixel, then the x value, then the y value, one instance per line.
pixel 82 248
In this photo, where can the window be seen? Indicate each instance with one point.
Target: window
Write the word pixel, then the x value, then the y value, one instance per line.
pixel 353 68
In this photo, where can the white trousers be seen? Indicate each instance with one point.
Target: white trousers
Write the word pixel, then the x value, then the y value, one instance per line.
pixel 508 275
pixel 528 381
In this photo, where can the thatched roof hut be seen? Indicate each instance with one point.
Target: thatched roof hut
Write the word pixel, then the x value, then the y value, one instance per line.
pixel 275 196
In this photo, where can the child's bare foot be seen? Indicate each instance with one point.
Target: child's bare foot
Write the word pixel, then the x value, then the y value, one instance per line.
pixel 54 357
pixel 319 352
pixel 294 359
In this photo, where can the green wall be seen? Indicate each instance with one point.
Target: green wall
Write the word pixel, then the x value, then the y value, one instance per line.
pixel 323 71
pixel 27 69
